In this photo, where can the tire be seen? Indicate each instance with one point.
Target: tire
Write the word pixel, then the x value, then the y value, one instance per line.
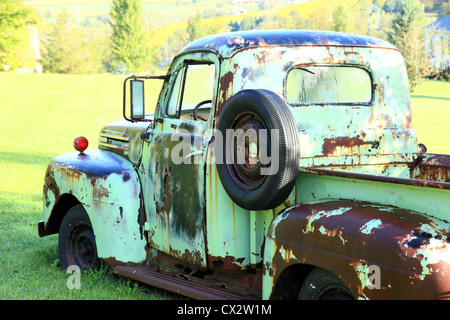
pixel 323 285
pixel 76 242
pixel 246 182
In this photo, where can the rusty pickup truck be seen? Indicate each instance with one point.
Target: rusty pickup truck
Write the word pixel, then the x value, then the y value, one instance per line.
pixel 278 164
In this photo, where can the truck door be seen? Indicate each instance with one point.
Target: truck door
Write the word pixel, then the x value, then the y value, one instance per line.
pixel 174 160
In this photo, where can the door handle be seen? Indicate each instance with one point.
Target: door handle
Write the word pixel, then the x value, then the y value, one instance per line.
pixel 146 136
pixel 194 153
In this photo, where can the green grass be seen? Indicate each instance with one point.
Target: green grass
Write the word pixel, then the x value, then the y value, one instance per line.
pixel 431 115
pixel 40 117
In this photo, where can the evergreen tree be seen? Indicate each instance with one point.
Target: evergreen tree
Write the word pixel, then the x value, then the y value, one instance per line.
pixel 392 6
pixel 128 35
pixel 342 20
pixel 68 50
pixel 407 35
pixel 195 30
pixel 15 18
pixel 247 23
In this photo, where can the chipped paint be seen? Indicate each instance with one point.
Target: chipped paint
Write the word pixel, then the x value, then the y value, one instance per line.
pixel 322 214
pixel 428 245
pixel 369 226
pixel 337 232
pixel 287 254
pixel 369 276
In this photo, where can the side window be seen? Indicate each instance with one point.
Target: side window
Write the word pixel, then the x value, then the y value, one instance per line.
pixel 194 85
pixel 174 100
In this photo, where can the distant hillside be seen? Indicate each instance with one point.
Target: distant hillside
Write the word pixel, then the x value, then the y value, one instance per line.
pixel 167 18
pixel 156 13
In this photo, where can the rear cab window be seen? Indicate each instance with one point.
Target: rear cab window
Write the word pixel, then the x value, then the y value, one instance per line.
pixel 345 85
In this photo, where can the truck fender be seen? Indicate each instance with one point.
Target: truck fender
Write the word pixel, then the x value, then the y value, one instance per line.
pixel 378 251
pixel 108 187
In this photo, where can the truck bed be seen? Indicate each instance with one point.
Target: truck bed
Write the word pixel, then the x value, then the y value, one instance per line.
pixel 425 168
pixel 422 185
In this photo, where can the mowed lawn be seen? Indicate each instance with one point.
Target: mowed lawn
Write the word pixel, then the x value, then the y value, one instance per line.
pixel 431 115
pixel 40 115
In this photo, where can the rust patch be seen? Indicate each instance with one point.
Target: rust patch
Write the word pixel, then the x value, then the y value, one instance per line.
pixel 193 257
pixel 433 167
pixel 227 263
pixel 101 192
pixel 330 145
pixel 50 184
pixel 166 205
pixel 225 82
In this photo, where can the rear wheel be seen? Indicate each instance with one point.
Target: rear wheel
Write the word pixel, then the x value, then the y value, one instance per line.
pixel 323 285
pixel 77 241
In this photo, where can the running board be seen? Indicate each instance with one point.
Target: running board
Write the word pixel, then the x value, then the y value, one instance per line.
pixel 179 285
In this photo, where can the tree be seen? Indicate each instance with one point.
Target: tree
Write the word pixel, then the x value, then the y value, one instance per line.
pixel 443 10
pixel 128 35
pixel 342 19
pixel 320 17
pixel 407 35
pixel 68 50
pixel 195 30
pixel 293 20
pixel 392 6
pixel 15 20
pixel 247 23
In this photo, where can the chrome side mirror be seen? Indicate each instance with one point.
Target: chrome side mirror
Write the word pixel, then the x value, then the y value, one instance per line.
pixel 137 100
pixel 137 97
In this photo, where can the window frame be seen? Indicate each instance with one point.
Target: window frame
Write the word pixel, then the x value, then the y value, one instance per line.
pixel 303 66
pixel 183 68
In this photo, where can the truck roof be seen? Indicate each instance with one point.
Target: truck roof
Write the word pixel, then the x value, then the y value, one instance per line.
pixel 227 44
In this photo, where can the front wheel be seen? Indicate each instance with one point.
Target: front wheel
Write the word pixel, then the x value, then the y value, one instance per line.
pixel 323 285
pixel 76 241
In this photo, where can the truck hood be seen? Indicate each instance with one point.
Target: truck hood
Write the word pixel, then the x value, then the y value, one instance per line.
pixel 124 138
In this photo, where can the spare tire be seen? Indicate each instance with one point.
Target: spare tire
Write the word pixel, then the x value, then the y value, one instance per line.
pixel 257 173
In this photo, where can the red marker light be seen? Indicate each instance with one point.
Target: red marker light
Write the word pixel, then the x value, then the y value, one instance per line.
pixel 80 144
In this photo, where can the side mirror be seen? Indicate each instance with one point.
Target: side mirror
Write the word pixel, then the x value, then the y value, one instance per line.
pixel 137 99
pixel 137 105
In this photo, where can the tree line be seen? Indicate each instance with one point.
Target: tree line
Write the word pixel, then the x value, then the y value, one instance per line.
pixel 125 43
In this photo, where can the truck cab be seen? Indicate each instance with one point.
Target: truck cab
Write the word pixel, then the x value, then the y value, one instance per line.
pixel 275 162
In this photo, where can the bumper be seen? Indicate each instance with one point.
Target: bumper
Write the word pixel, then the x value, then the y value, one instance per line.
pixel 41 229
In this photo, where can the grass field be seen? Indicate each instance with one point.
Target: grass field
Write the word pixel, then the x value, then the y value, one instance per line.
pixel 40 117
pixel 431 115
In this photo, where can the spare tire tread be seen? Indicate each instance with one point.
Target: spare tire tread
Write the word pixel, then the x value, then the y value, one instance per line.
pixel 275 114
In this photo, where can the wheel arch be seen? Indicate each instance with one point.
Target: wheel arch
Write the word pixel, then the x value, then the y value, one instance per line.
pixel 290 281
pixel 61 207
